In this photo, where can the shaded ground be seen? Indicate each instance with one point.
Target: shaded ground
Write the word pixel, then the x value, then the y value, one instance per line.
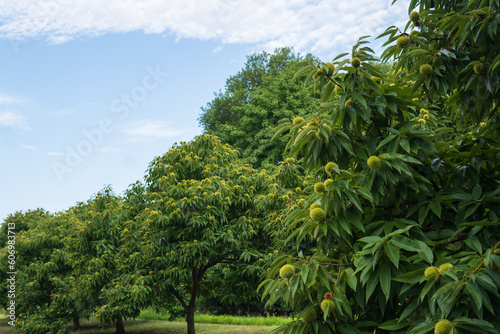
pixel 153 327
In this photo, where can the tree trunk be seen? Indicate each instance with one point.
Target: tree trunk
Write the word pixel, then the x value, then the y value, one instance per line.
pixel 76 324
pixel 190 319
pixel 119 325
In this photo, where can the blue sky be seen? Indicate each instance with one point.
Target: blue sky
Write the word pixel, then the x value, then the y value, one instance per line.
pixel 92 91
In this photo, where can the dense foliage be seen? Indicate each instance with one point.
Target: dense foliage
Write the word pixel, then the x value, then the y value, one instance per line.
pixel 254 100
pixel 200 213
pixel 163 244
pixel 404 213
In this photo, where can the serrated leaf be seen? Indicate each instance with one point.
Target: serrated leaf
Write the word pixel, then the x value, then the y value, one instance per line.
pixel 409 310
pixel 352 280
pixel 304 273
pixel 392 253
pixel 392 325
pixel 370 239
pixel 435 207
pixel 474 292
pixel 385 280
pixel 405 243
pixel 410 277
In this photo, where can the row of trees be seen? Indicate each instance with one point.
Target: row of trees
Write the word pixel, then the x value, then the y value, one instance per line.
pixel 194 221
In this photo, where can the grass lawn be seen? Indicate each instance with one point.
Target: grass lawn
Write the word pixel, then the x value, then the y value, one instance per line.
pixel 221 319
pixel 143 326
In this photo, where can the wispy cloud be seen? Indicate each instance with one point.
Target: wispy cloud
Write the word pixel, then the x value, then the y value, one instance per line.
pixel 147 130
pixel 9 99
pixel 108 149
pixel 29 147
pixel 316 26
pixel 217 49
pixel 55 154
pixel 12 119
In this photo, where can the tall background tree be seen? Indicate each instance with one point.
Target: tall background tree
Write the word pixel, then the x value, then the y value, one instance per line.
pixel 254 100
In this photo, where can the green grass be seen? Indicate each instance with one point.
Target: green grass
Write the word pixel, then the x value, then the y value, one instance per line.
pixel 167 327
pixel 4 326
pixel 204 324
pixel 221 319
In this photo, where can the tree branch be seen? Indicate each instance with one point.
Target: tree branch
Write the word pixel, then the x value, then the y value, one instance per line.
pixel 324 264
pixel 179 297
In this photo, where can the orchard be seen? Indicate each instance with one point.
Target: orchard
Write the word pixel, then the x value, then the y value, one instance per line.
pixel 378 214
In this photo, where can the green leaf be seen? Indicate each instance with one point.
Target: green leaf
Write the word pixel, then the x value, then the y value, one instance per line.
pixel 422 328
pixel 386 140
pixel 371 239
pixel 302 71
pixel 294 284
pixel 392 325
pixel 352 280
pixel 323 277
pixel 476 192
pixel 304 273
pixel 405 145
pixel 428 286
pixel 360 99
pixel 435 207
pixel 405 243
pixel 425 251
pixel 476 323
pixel 385 280
pixel 410 277
pixel 392 253
pixel 409 310
pixel 474 292
pixel 371 285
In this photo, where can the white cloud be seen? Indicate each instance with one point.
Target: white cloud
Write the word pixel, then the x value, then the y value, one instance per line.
pixel 8 99
pixel 148 130
pixel 29 147
pixel 14 120
pixel 313 26
pixel 55 154
pixel 217 49
pixel 108 149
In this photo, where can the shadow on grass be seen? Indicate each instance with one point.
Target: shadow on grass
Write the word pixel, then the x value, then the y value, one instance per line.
pixel 142 326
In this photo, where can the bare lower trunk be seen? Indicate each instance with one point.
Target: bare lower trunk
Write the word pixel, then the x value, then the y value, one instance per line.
pixel 190 320
pixel 76 324
pixel 119 325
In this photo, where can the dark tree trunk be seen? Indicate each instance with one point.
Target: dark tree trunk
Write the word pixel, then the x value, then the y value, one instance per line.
pixel 76 324
pixel 190 308
pixel 190 319
pixel 119 325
